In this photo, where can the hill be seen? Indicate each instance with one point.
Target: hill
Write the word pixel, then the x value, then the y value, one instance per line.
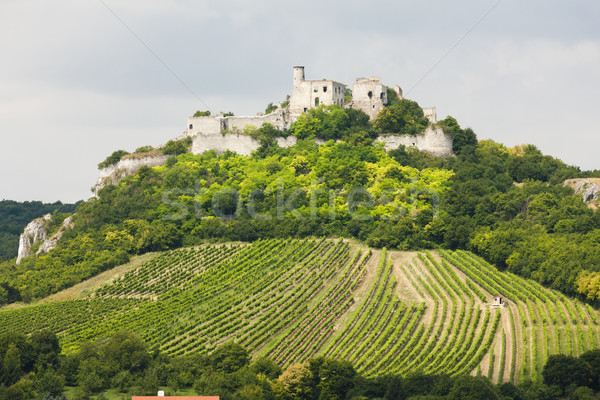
pixel 385 311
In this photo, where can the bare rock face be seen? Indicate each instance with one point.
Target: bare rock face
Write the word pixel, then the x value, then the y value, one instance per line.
pixel 588 188
pixel 34 232
pixel 52 241
pixel 115 173
pixel 37 231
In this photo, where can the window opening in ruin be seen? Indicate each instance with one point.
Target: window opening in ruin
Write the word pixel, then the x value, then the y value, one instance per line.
pixel 191 126
pixel 381 95
pixel 316 101
pixel 324 88
pixel 316 89
pixel 305 109
pixel 370 94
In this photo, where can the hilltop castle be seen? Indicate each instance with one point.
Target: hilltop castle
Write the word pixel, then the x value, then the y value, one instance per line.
pixel 368 95
pixel 222 133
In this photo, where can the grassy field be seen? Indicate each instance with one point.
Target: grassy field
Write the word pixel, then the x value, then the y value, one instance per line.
pixel 385 311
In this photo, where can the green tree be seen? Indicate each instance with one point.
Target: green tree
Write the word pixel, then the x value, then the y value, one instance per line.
pixel 201 114
pixel 404 118
pixel 49 384
pixel 463 140
pixel 468 387
pixel 563 371
pixel 229 357
pixel 270 108
pixel 114 158
pixel 11 365
pixel 267 367
pixel 336 378
pixel 46 346
pixel 296 382
pixel 176 147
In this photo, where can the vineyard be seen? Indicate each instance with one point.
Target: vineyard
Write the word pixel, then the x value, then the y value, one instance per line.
pixel 387 312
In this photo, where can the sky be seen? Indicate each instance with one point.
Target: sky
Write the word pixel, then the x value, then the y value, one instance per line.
pixel 80 79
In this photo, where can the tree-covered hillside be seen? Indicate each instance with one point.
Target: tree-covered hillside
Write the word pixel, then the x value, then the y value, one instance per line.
pixel 506 204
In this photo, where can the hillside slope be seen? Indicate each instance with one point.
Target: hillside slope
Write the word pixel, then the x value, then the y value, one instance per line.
pixel 385 311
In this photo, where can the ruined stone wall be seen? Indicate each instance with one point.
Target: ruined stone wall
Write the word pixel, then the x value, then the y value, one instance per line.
pixel 277 118
pixel 310 94
pixel 238 143
pixel 432 140
pixel 430 114
pixel 218 123
pixel 369 95
pixel 203 125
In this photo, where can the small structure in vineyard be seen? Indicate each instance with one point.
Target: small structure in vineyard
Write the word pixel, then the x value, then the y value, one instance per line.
pixel 498 302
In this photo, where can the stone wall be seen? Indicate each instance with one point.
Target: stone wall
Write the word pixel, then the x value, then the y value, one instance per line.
pixel 219 123
pixel 369 95
pixel 431 114
pixel 432 140
pixel 238 143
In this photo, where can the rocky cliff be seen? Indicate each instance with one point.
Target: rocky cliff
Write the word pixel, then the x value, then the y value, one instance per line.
pixel 115 173
pixel 37 231
pixel 588 188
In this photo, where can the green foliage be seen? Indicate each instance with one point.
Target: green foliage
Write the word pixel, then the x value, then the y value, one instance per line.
pixel 266 135
pixel 229 357
pixel 176 147
pixel 392 97
pixel 114 158
pixel 563 371
pixel 144 149
pixel 201 114
pixel 463 140
pixel 228 114
pixel 472 388
pixel 405 117
pixel 347 95
pixel 270 108
pixel 267 367
pixel 330 122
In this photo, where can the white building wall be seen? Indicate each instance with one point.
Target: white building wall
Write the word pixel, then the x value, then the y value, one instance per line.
pixel 205 125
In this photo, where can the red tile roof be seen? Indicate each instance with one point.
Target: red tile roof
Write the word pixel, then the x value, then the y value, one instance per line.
pixel 175 397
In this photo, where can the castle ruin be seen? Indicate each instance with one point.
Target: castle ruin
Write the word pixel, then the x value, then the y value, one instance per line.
pixel 368 94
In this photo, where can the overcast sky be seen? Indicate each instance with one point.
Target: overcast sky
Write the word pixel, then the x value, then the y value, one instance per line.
pixel 80 79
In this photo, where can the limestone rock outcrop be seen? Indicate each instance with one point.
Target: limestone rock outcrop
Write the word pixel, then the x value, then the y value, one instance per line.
pixel 115 173
pixel 52 241
pixel 588 188
pixel 37 231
